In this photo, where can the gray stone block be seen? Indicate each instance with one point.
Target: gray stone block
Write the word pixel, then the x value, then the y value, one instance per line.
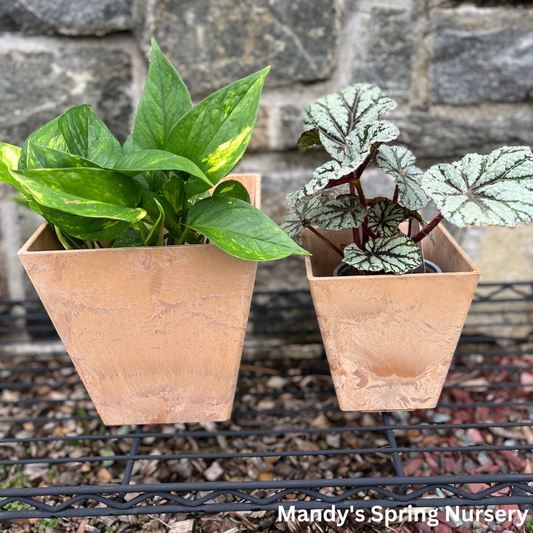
pixel 39 83
pixel 67 17
pixel 215 42
pixel 482 55
pixel 292 126
pixel 456 132
pixel 386 58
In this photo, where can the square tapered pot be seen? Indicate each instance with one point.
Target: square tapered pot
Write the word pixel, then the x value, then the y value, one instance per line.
pixel 155 333
pixel 390 339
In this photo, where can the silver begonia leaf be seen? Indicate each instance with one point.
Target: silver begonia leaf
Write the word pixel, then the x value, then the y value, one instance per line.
pixel 321 177
pixel 358 147
pixel 339 213
pixel 494 190
pixel 299 218
pixel 397 254
pixel 399 162
pixel 337 115
pixel 385 216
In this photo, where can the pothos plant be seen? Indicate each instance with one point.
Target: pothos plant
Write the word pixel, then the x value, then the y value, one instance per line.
pixel 160 188
pixel 494 189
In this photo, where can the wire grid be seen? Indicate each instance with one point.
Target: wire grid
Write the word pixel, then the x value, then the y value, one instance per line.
pixel 284 320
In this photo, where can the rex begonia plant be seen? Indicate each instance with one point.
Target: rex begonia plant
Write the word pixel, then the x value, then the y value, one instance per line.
pixel 494 189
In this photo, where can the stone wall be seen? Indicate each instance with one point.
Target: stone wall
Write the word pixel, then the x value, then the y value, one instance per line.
pixel 461 73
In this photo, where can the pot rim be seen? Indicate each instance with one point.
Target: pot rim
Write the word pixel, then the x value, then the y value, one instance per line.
pixel 343 279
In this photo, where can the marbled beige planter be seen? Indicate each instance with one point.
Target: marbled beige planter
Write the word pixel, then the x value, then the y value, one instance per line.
pixel 390 339
pixel 155 333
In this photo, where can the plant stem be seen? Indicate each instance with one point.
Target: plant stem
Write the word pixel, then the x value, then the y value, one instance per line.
pixel 62 239
pixel 161 236
pixel 428 228
pixel 360 192
pixel 327 241
pixel 183 235
pixel 355 231
pixel 396 194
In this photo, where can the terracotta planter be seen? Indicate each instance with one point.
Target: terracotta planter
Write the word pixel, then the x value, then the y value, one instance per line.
pixel 390 339
pixel 155 333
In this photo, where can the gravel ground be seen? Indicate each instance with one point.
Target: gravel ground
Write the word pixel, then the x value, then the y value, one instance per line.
pixel 302 387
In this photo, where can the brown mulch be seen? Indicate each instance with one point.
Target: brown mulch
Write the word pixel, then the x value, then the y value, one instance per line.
pixel 298 386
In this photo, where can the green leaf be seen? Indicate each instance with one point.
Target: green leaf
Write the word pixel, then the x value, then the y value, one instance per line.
pixel 48 136
pixel 240 229
pixel 215 133
pixel 42 157
pixel 87 136
pixel 339 213
pixel 232 188
pixel 156 179
pixel 174 193
pixel 156 234
pixel 152 202
pixel 337 115
pixel 164 100
pixel 399 162
pixel 130 146
pixel 9 155
pixel 385 216
pixel 85 192
pixel 9 159
pixel 149 160
pixel 132 238
pixel 197 197
pixel 309 138
pixel 494 190
pixel 151 180
pixel 298 218
pixel 89 229
pixel 397 254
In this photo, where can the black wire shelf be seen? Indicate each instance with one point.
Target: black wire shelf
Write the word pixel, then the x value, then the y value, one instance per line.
pixel 42 427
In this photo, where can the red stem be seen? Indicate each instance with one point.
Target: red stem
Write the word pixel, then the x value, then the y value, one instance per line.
pixel 355 231
pixel 327 241
pixel 428 228
pixel 360 192
pixel 354 176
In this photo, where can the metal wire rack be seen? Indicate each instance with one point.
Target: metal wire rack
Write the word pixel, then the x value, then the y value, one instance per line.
pixel 292 420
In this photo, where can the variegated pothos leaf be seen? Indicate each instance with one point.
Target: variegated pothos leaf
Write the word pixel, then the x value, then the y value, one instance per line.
pixel 299 218
pixel 399 162
pixel 338 115
pixel 495 190
pixel 385 216
pixel 358 147
pixel 339 213
pixel 397 254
